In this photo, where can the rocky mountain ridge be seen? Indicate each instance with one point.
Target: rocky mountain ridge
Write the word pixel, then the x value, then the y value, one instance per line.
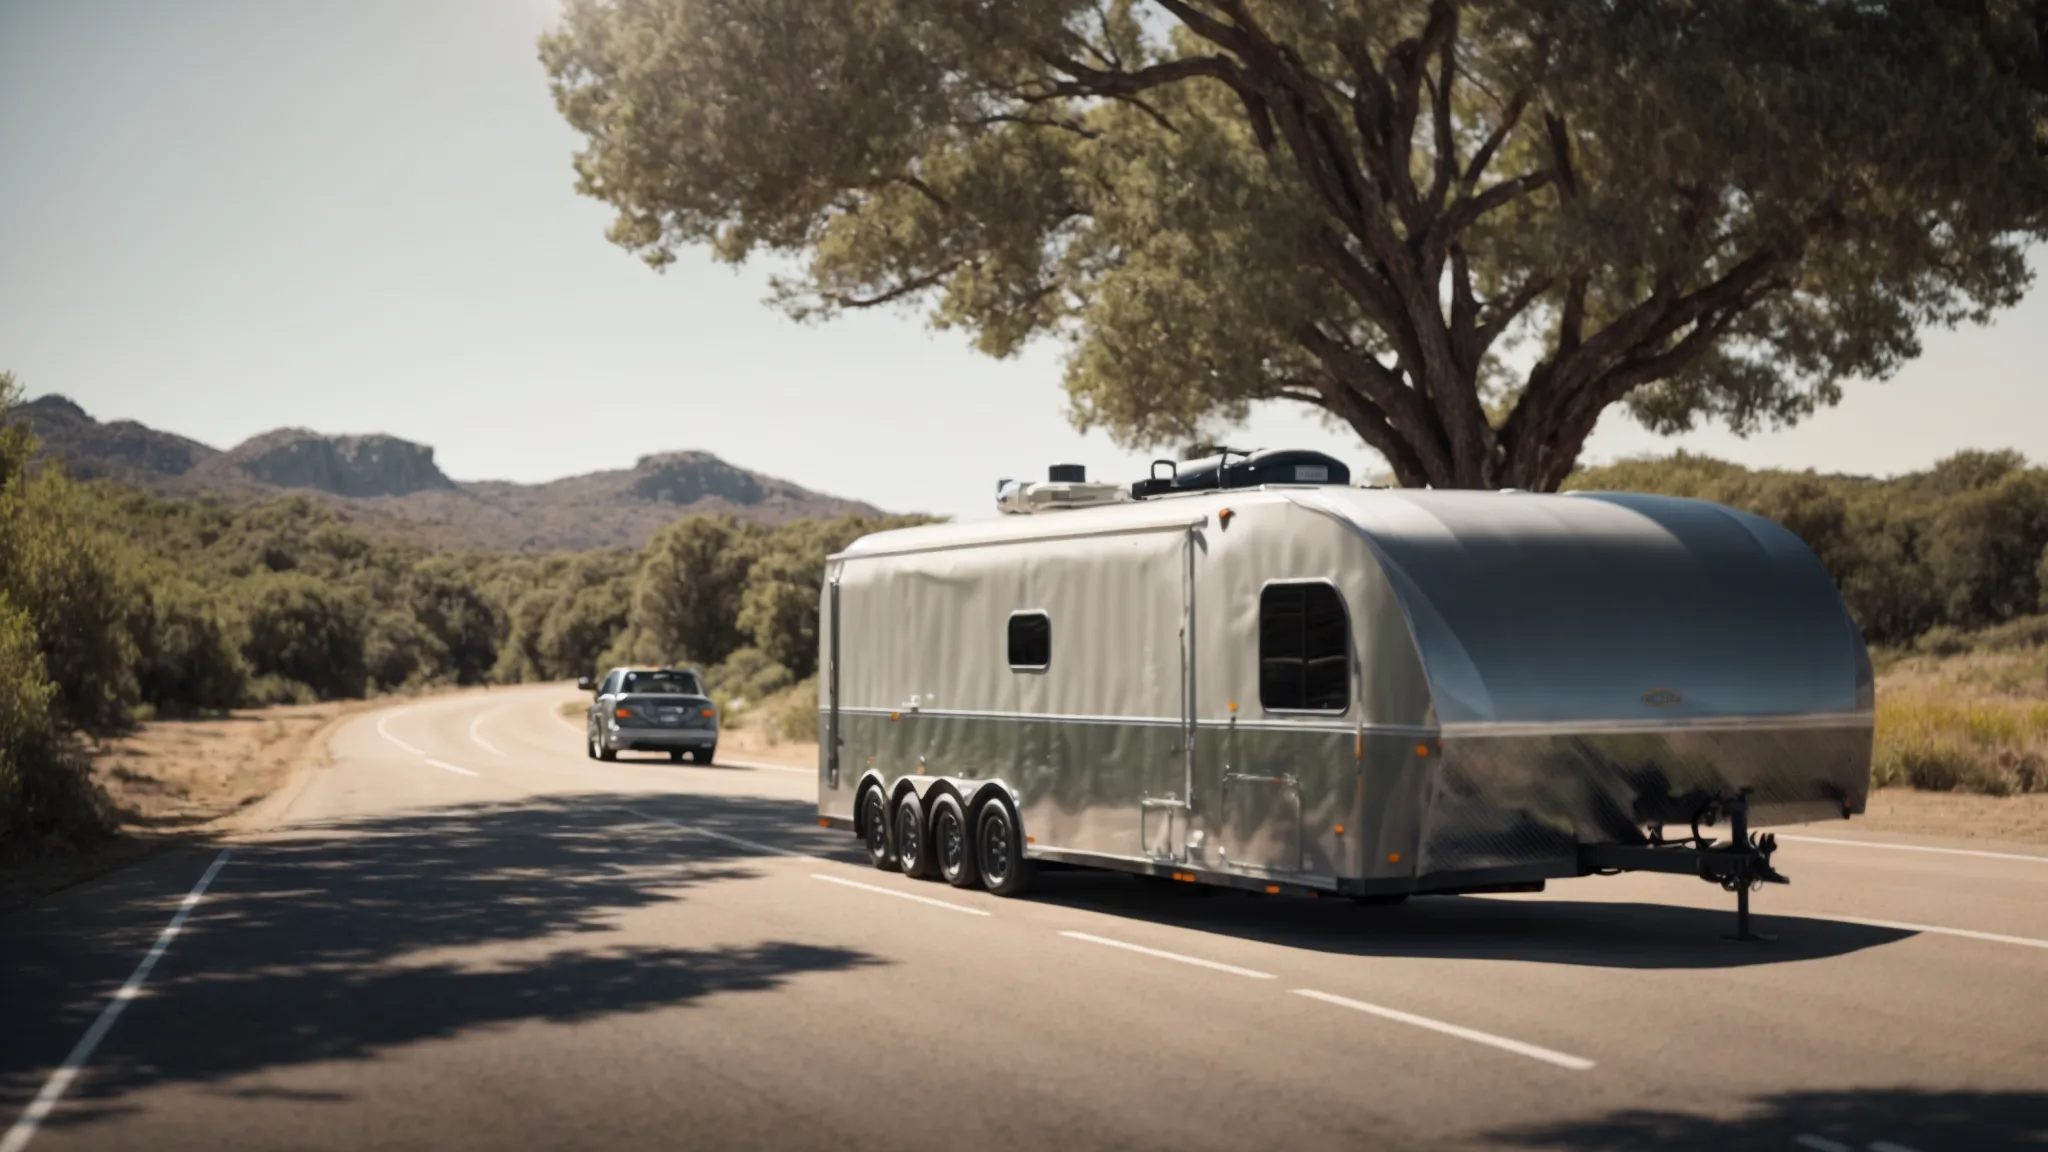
pixel 396 479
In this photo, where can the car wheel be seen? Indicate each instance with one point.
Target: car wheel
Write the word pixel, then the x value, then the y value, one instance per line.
pixel 590 744
pixel 605 751
pixel 999 850
pixel 875 831
pixel 913 847
pixel 705 755
pixel 675 755
pixel 952 847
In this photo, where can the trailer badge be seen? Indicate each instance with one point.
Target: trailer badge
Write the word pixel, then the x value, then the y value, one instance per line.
pixel 1661 697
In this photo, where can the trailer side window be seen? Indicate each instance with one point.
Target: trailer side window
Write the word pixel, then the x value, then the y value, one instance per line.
pixel 1304 649
pixel 1030 641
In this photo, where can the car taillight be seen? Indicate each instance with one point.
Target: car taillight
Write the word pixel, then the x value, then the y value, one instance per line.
pixel 623 713
pixel 711 711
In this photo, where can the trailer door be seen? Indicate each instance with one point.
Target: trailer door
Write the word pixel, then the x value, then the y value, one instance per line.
pixel 832 739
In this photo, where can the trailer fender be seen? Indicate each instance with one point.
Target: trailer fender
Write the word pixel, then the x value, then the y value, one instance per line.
pixel 977 794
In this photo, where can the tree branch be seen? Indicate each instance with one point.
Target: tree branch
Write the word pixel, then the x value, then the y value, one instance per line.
pixel 1446 141
pixel 1494 139
pixel 1400 406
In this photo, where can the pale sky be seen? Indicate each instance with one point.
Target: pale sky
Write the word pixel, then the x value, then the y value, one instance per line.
pixel 219 217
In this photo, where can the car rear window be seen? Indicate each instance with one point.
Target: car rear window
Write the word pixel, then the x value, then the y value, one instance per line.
pixel 663 683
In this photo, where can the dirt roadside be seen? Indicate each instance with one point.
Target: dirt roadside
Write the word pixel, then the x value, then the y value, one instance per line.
pixel 175 783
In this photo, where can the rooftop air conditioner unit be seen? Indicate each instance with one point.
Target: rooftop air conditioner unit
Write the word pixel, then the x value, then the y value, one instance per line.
pixel 1066 486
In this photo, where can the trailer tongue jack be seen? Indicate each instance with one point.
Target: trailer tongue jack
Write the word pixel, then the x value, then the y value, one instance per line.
pixel 1739 866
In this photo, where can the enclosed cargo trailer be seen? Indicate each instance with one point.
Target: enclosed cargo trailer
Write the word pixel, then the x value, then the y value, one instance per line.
pixel 1318 687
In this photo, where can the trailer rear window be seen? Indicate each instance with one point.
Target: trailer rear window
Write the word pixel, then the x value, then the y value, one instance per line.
pixel 1030 640
pixel 1304 649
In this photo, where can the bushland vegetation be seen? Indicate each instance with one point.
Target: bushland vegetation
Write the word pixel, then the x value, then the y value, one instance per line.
pixel 117 607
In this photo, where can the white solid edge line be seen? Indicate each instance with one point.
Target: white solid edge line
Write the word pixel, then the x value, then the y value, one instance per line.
pixel 1195 960
pixel 1934 929
pixel 1821 1144
pixel 1548 1056
pixel 1914 848
pixel 386 733
pixel 447 767
pixel 39 1109
pixel 695 831
pixel 478 736
pixel 946 904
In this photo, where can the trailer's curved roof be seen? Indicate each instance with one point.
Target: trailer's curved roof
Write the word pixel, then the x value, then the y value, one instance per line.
pixel 1535 609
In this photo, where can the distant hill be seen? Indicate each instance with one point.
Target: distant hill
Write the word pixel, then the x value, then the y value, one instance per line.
pixel 396 480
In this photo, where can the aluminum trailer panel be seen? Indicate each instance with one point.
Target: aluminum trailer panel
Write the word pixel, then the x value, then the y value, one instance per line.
pixel 1522 676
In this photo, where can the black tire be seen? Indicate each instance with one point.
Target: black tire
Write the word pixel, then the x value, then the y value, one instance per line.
pixel 604 750
pixel 875 830
pixel 589 743
pixel 913 845
pixel 675 755
pixel 705 755
pixel 1382 899
pixel 953 843
pixel 999 850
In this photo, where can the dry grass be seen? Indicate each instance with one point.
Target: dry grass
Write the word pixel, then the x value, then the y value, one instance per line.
pixel 1969 721
pixel 780 729
pixel 183 774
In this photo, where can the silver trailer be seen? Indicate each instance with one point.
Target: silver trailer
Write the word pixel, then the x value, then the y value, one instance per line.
pixel 1305 686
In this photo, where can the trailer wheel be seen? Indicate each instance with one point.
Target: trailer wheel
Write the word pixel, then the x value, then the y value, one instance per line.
pixel 999 849
pixel 952 847
pixel 875 831
pixel 913 847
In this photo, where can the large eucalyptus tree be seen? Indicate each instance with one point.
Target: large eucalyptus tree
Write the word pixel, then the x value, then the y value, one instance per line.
pixel 1463 229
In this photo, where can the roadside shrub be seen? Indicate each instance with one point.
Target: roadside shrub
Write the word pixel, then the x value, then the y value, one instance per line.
pixel 748 674
pixel 63 574
pixel 47 800
pixel 298 629
pixel 186 659
pixel 793 716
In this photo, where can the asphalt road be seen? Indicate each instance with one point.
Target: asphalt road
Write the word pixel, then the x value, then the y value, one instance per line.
pixel 466 935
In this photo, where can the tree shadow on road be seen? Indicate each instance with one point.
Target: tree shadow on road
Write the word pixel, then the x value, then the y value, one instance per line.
pixel 1905 1118
pixel 350 938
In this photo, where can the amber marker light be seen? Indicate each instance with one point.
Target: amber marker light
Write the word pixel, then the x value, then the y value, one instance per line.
pixel 824 823
pixel 1422 750
pixel 1233 705
pixel 1340 829
pixel 1393 857
pixel 1272 889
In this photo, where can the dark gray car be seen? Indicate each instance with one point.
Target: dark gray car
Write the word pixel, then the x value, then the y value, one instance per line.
pixel 652 710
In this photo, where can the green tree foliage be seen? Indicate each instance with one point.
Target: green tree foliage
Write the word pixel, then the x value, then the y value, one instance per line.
pixel 1463 229
pixel 687 596
pixel 301 630
pixel 779 608
pixel 47 800
pixel 187 661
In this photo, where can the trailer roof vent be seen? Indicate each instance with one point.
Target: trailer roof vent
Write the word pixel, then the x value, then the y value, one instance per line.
pixel 1230 468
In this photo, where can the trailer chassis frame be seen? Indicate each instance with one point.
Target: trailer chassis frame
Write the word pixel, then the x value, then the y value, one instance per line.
pixel 1740 865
